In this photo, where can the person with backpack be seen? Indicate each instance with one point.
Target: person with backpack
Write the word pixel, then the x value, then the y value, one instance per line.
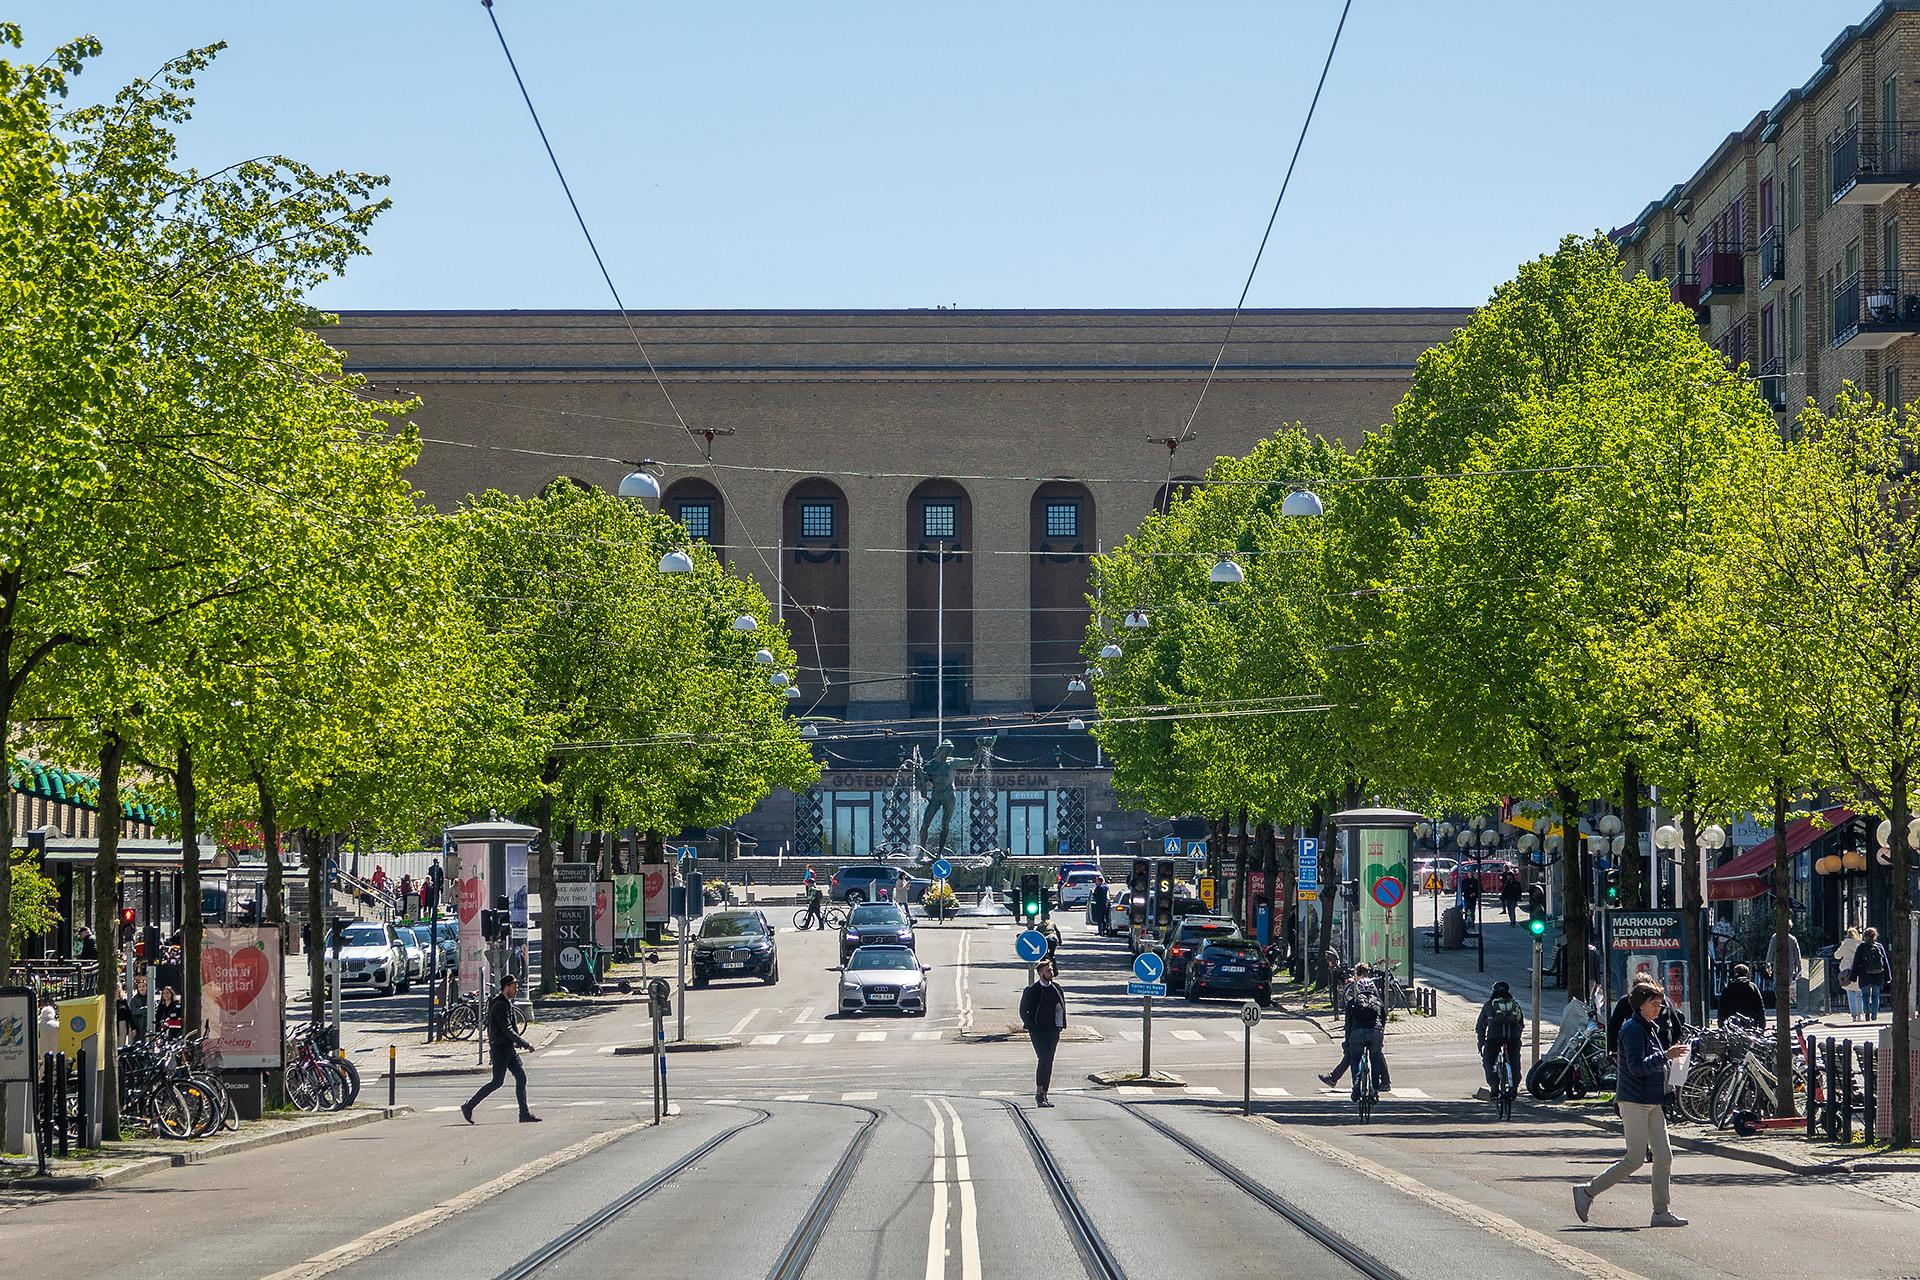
pixel 1366 1030
pixel 1870 970
pixel 1740 998
pixel 1843 963
pixel 1501 1021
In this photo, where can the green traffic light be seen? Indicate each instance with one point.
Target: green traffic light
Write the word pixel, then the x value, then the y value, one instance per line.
pixel 1536 927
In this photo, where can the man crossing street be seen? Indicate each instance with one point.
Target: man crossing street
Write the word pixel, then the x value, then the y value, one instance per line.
pixel 1043 1012
pixel 504 1045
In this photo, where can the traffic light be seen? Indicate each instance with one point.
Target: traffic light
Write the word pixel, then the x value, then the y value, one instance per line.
pixel 1610 888
pixel 1536 910
pixel 489 924
pixel 126 926
pixel 1030 898
pixel 1139 881
pixel 1162 895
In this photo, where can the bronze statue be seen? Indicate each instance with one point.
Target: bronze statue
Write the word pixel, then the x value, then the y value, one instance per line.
pixel 934 781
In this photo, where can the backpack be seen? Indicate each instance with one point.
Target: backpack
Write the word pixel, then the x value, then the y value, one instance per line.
pixel 1503 1015
pixel 1363 1001
pixel 1869 961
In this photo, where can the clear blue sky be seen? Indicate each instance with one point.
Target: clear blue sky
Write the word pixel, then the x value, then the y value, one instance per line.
pixel 828 154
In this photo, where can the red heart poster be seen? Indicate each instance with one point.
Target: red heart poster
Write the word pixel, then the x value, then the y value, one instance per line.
pixel 234 979
pixel 471 892
pixel 243 998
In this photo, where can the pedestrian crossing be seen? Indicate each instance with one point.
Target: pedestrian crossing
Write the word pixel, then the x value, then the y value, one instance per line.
pixel 1294 1039
pixel 776 1039
pixel 870 1095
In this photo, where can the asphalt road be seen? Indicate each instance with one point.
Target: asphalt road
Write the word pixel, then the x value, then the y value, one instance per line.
pixel 944 1182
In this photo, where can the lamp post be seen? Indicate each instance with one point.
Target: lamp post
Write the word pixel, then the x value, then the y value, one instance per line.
pixel 1489 842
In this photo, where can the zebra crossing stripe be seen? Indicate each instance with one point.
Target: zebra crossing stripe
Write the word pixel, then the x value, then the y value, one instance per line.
pixel 768 1039
pixel 859 1096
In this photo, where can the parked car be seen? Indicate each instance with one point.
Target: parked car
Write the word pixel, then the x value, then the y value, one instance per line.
pixel 1077 889
pixel 875 923
pixel 1120 912
pixel 416 953
pixel 370 956
pixel 883 979
pixel 1067 868
pixel 1490 874
pixel 868 883
pixel 1230 966
pixel 1432 873
pixel 735 944
pixel 1185 938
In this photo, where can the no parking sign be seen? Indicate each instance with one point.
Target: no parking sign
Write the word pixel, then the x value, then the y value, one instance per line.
pixel 1388 891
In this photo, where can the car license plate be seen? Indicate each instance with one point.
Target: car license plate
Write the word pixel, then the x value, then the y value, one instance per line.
pixel 733 964
pixel 881 997
pixel 1233 968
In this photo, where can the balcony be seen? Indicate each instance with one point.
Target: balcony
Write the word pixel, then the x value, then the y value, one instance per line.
pixel 1773 257
pixel 1723 272
pixel 1773 383
pixel 1685 290
pixel 1871 312
pixel 1870 164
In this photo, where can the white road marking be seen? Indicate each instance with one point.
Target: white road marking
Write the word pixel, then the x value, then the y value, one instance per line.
pixel 1187 1033
pixel 1406 1093
pixel 1137 1091
pixel 999 1093
pixel 723 1102
pixel 867 1037
pixel 818 1037
pixel 1271 1093
pixel 1201 1091
pixel 937 1221
pixel 741 1025
pixel 589 1102
pixel 772 1039
pixel 443 1108
pixel 859 1096
pixel 928 1035
pixel 1297 1037
pixel 792 1097
pixel 969 1211
pixel 805 1015
pixel 557 1053
pixel 605 1048
pixel 1131 1037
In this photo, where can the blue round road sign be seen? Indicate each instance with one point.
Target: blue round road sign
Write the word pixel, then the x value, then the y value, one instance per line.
pixel 1031 946
pixel 1148 967
pixel 942 869
pixel 1388 891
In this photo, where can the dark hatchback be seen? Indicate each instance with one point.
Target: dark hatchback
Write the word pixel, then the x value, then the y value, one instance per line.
pixel 735 944
pixel 1185 939
pixel 1231 967
pixel 875 924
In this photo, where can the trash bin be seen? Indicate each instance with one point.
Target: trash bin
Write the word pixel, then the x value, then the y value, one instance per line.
pixel 1453 929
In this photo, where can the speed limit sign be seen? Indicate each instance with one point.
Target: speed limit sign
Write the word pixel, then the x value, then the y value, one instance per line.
pixel 1250 1014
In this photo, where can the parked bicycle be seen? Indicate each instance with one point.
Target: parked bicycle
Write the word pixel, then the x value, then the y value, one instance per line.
pixel 468 1013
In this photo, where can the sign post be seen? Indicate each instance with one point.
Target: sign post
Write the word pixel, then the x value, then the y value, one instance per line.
pixel 689 882
pixel 1147 971
pixel 942 873
pixel 658 995
pixel 1536 1004
pixel 1249 1018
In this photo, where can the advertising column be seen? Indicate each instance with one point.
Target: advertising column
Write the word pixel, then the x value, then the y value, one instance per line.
pixel 469 878
pixel 1377 841
pixel 573 924
pixel 1655 941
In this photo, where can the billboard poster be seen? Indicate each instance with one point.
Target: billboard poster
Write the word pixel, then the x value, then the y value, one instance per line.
pixel 572 917
pixel 627 923
pixel 516 889
pixel 1386 918
pixel 18 1026
pixel 603 914
pixel 659 893
pixel 467 882
pixel 1652 940
pixel 242 996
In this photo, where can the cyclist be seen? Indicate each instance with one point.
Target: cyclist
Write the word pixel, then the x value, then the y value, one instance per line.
pixel 1366 1030
pixel 1499 1027
pixel 816 914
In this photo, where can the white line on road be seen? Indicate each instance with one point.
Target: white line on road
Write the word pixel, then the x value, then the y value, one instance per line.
pixel 1186 1033
pixel 792 1097
pixel 867 1037
pixel 741 1025
pixel 969 1211
pixel 771 1039
pixel 805 1015
pixel 1406 1093
pixel 1270 1093
pixel 723 1102
pixel 557 1053
pixel 866 1095
pixel 606 1048
pixel 1131 1037
pixel 589 1102
pixel 443 1108
pixel 1136 1091
pixel 928 1035
pixel 818 1037
pixel 937 1221
pixel 1201 1091
pixel 1297 1037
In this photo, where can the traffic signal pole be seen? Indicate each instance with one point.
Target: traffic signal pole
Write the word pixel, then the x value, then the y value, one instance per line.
pixel 1536 1001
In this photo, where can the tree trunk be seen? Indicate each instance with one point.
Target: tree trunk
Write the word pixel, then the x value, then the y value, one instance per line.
pixel 6 833
pixel 106 929
pixel 1329 892
pixel 1902 1082
pixel 1239 887
pixel 1782 931
pixel 1690 904
pixel 543 869
pixel 1574 881
pixel 276 910
pixel 193 924
pixel 316 857
pixel 1633 892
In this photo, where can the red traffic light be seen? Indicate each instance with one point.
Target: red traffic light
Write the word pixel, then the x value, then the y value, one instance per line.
pixel 126 915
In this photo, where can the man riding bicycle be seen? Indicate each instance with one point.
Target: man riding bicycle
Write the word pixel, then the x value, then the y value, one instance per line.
pixel 1501 1022
pixel 1366 1030
pixel 816 914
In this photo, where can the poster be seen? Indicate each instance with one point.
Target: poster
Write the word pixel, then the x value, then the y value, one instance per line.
pixel 603 915
pixel 1386 918
pixel 17 1030
pixel 572 920
pixel 516 889
pixel 467 879
pixel 242 996
pixel 1652 940
pixel 627 924
pixel 659 893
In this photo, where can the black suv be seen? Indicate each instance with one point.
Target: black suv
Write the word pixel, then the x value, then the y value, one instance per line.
pixel 1185 939
pixel 875 922
pixel 735 944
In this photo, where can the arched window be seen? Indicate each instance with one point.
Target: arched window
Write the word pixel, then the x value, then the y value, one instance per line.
pixel 696 504
pixel 816 597
pixel 940 597
pixel 1171 492
pixel 1061 534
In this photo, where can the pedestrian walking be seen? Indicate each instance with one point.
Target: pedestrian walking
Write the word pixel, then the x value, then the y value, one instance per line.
pixel 1843 963
pixel 1101 909
pixel 380 877
pixel 1870 970
pixel 1510 897
pixel 1741 999
pixel 1470 898
pixel 1043 1012
pixel 1785 966
pixel 504 1045
pixel 1641 1094
pixel 406 892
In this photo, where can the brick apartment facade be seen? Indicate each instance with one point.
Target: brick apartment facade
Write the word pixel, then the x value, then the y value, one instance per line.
pixel 1798 241
pixel 1013 444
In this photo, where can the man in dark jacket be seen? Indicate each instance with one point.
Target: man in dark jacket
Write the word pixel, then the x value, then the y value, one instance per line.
pixel 1501 1021
pixel 504 1045
pixel 1043 1012
pixel 1510 896
pixel 1101 908
pixel 1641 1093
pixel 1741 999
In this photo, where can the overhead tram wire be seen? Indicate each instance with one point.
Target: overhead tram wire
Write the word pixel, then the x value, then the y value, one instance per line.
pixel 772 572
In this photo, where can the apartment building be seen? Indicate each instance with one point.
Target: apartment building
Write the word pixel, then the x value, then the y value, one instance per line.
pixel 1787 242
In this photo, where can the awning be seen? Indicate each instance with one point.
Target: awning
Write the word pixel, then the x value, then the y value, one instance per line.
pixel 1750 874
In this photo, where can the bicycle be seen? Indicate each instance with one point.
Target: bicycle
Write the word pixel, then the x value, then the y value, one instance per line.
pixel 1505 1084
pixel 831 917
pixel 468 1012
pixel 1365 1091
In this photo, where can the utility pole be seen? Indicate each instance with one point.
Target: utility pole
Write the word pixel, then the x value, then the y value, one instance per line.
pixel 940 649
pixel 1536 1003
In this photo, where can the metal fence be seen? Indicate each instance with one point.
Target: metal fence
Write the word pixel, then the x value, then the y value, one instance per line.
pixel 1842 1089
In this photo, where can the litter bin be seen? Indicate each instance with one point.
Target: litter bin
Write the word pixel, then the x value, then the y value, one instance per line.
pixel 1453 929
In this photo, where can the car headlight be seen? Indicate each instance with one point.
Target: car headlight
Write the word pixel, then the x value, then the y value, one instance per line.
pixel 847 988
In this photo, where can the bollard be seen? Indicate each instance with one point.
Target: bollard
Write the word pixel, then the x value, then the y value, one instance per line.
pixel 1812 1061
pixel 1846 1085
pixel 1870 1105
pixel 392 1072
pixel 62 1100
pixel 1833 1088
pixel 43 1136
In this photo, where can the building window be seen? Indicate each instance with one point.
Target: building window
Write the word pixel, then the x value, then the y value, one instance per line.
pixel 1890 248
pixel 1851 262
pixel 1793 194
pixel 1767 347
pixel 940 520
pixel 697 519
pixel 1892 397
pixel 1766 204
pixel 1796 326
pixel 1063 519
pixel 928 697
pixel 1657 267
pixel 816 519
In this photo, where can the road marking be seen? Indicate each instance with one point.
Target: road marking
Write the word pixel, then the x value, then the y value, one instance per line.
pixel 792 1097
pixel 723 1102
pixel 1406 1093
pixel 1186 1033
pixel 969 1211
pixel 443 1108
pixel 393 1233
pixel 999 1093
pixel 1577 1260
pixel 1271 1093
pixel 1137 1091
pixel 805 1015
pixel 866 1095
pixel 1297 1037
pixel 1131 1037
pixel 870 1036
pixel 818 1037
pixel 1201 1091
pixel 557 1053
pixel 928 1035
pixel 606 1048
pixel 589 1102
pixel 741 1025
pixel 772 1039
pixel 937 1221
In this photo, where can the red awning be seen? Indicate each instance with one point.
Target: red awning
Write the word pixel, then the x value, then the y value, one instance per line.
pixel 1750 874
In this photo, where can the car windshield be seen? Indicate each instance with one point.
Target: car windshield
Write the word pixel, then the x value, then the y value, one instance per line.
pixel 364 935
pixel 875 915
pixel 448 930
pixel 1082 877
pixel 883 958
pixel 732 927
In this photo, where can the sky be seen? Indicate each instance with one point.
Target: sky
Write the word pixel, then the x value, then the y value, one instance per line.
pixel 1065 153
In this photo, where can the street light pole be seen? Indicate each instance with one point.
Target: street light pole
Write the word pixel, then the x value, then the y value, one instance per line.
pixel 940 647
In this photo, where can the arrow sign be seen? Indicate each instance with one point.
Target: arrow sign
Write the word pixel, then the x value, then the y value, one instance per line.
pixel 1388 891
pixel 942 869
pixel 1031 946
pixel 1148 967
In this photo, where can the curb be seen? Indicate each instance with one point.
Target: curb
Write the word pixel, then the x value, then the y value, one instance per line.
pixel 1699 1146
pixel 677 1046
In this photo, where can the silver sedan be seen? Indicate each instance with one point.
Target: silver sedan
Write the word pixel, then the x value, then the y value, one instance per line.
pixel 883 979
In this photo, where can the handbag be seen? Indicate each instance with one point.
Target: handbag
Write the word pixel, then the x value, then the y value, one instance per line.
pixel 1677 1070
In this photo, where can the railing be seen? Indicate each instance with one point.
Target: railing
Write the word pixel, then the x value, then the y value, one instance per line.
pixel 1834 1096
pixel 1864 302
pixel 1723 268
pixel 1685 289
pixel 1773 257
pixel 1773 382
pixel 1880 153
